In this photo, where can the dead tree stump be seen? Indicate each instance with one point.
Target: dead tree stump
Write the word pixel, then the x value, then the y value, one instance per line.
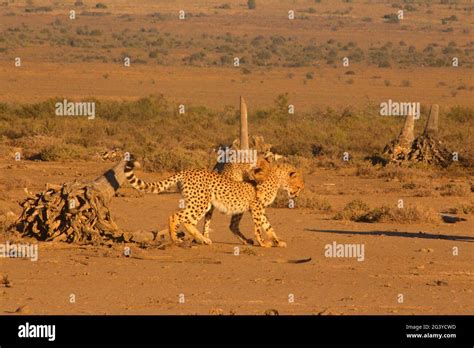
pixel 74 212
pixel 426 148
pixel 430 150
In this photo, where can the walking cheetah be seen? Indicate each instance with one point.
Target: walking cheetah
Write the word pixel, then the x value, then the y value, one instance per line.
pixel 242 172
pixel 204 190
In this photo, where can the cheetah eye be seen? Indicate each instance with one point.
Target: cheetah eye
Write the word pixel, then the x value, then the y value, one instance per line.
pixel 292 174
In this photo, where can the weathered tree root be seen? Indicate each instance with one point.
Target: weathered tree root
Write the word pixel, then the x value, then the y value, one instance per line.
pixel 424 149
pixel 73 212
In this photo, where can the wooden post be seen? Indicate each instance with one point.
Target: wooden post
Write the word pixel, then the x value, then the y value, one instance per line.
pixel 244 131
pixel 407 135
pixel 432 123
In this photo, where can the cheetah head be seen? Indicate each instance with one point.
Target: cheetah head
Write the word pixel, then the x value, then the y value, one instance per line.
pixel 293 181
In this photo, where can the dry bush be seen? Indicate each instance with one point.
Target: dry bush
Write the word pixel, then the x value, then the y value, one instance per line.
pixel 410 214
pixel 61 152
pixel 306 200
pixel 409 185
pixel 452 189
pixel 367 170
pixel 419 189
pixel 150 128
pixel 307 165
pixel 394 172
pixel 354 210
pixel 358 211
pixel 414 173
pixel 462 209
pixel 424 192
pixel 7 221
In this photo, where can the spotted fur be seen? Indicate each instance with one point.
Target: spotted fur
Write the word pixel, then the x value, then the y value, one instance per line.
pixel 267 177
pixel 205 191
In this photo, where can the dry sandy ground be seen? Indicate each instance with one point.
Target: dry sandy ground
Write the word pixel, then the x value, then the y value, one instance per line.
pixel 220 87
pixel 414 260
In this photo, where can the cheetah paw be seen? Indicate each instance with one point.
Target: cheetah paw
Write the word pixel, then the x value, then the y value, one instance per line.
pixel 266 244
pixel 177 240
pixel 280 244
pixel 206 241
pixel 246 241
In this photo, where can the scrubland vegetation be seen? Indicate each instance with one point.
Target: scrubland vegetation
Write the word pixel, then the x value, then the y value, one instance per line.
pixel 155 131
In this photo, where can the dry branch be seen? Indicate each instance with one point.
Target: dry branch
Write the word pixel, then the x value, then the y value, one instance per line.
pixel 74 212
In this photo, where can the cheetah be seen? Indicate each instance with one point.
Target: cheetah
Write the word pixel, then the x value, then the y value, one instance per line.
pixel 204 190
pixel 242 172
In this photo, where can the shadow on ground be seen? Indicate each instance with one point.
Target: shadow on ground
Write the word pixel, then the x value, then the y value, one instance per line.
pixel 398 234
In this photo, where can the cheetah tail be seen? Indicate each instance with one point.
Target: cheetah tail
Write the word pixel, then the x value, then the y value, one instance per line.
pixel 152 187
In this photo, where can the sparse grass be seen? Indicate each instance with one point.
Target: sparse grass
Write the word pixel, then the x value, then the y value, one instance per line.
pixel 366 170
pixel 457 190
pixel 5 281
pixel 419 188
pixel 359 211
pixel 406 83
pixel 354 210
pixel 6 222
pixel 61 152
pixel 224 6
pixel 258 50
pixel 462 209
pixel 394 172
pixel 306 200
pixel 149 127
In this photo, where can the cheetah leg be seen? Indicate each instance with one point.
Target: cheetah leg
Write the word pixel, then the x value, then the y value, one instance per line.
pixel 173 224
pixel 182 217
pixel 234 227
pixel 207 222
pixel 258 212
pixel 271 233
pixel 191 228
pixel 189 217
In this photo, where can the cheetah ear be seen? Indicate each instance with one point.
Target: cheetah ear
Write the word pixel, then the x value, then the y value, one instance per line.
pixel 292 174
pixel 263 163
pixel 261 170
pixel 269 157
pixel 272 157
pixel 277 157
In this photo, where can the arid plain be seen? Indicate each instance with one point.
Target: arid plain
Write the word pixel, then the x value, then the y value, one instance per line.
pixel 425 253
